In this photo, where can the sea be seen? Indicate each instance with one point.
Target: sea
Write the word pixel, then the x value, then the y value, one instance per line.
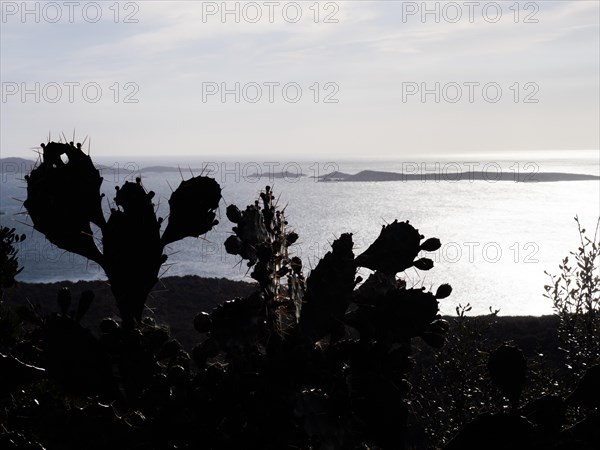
pixel 499 237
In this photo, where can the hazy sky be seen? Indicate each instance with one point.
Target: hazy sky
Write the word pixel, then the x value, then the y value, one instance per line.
pixel 336 79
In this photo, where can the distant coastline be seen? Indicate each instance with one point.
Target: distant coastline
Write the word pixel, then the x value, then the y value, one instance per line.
pixel 15 166
pixel 374 175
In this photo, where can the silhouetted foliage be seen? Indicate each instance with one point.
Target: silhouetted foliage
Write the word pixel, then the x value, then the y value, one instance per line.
pixel 575 294
pixel 337 355
pixel 452 385
pixel 541 423
pixel 306 363
pixel 562 416
pixel 9 269
pixel 9 265
pixel 64 200
pixel 318 362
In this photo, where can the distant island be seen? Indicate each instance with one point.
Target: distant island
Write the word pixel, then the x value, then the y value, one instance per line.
pixel 277 175
pixel 23 166
pixel 14 165
pixel 373 175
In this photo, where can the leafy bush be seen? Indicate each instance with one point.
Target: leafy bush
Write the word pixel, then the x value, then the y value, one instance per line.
pixel 321 361
pixel 9 266
pixel 575 294
pixel 9 269
pixel 452 385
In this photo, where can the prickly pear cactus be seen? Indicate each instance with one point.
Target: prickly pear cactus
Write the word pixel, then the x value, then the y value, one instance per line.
pixel 133 252
pixel 343 357
pixel 64 199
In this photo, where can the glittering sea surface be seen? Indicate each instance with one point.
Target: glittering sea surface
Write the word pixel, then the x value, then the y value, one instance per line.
pixel 498 237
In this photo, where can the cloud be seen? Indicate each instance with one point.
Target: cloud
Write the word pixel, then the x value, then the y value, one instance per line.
pixel 368 53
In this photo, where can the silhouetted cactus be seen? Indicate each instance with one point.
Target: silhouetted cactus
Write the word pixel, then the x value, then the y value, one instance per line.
pixel 352 346
pixel 262 238
pixel 64 199
pixel 315 363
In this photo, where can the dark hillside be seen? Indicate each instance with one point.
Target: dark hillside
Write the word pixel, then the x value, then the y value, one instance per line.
pixel 173 302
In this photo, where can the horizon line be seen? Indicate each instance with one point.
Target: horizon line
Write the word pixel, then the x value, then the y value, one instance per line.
pixel 548 154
